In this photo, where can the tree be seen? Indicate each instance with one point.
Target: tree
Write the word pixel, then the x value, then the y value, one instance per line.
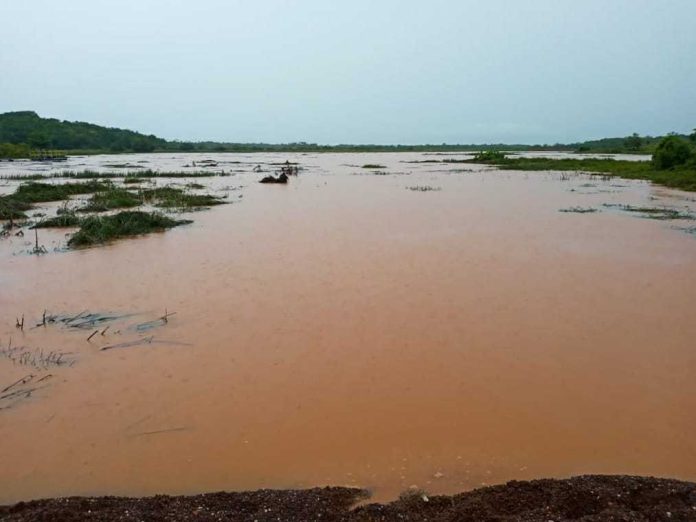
pixel 671 152
pixel 693 136
pixel 633 142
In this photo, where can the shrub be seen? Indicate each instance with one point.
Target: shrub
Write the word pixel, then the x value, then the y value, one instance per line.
pixel 672 151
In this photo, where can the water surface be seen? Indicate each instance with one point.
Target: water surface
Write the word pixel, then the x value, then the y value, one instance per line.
pixel 344 329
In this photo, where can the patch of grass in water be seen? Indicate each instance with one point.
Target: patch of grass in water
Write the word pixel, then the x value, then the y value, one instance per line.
pixel 688 230
pixel 91 174
pixel 15 205
pixel 373 166
pixel 172 197
pixel 113 197
pixel 34 192
pixel 653 212
pixel 132 180
pixel 12 209
pixel 423 188
pixel 579 210
pixel 64 220
pixel 97 230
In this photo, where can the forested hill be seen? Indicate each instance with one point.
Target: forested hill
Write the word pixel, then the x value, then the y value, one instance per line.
pixel 28 128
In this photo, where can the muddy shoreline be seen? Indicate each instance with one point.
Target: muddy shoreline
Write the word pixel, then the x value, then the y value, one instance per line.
pixel 586 498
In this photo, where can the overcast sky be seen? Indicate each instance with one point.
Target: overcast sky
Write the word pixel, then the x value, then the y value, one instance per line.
pixel 355 71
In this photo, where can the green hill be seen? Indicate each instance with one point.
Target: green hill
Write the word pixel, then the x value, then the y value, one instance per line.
pixel 29 129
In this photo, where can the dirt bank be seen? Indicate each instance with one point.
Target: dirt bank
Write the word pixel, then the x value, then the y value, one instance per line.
pixel 587 498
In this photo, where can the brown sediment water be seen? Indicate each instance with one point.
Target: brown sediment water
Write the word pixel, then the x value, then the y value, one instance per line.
pixel 346 330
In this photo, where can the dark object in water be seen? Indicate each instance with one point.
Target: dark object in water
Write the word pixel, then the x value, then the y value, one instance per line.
pixel 283 178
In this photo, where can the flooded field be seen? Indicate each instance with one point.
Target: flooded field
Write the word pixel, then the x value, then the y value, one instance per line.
pixel 440 325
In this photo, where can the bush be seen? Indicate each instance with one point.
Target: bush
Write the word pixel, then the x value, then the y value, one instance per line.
pixel 672 151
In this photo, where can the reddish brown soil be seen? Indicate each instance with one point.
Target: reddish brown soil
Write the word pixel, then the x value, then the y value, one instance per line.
pixel 586 498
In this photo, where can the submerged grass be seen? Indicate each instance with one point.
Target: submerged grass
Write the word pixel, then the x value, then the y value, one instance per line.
pixel 97 230
pixel 12 209
pixel 113 197
pixel 653 212
pixel 172 197
pixel 64 220
pixel 683 178
pixel 91 174
pixel 34 192
pixel 424 188
pixel 579 210
pixel 14 205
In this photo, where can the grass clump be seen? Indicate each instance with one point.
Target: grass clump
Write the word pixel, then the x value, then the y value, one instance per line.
pixel 91 174
pixel 11 208
pixel 14 205
pixel 34 192
pixel 373 166
pixel 172 197
pixel 424 188
pixel 113 197
pixel 653 212
pixel 579 210
pixel 64 220
pixel 97 230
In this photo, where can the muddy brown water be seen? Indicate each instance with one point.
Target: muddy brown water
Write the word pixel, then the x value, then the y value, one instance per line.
pixel 346 330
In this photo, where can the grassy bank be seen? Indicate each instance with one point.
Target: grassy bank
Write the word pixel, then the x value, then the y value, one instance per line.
pixel 683 177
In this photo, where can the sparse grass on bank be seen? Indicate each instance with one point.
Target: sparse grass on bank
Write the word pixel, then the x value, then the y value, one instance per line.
pixel 683 177
pixel 97 230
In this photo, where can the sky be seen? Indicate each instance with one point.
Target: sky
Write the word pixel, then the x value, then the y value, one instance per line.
pixel 358 71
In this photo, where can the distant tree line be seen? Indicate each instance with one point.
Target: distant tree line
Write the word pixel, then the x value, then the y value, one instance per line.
pixel 22 133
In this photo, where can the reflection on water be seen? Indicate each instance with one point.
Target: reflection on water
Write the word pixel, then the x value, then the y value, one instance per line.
pixel 345 330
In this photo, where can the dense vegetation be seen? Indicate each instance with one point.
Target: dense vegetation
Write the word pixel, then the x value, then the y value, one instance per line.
pixel 24 130
pixel 673 165
pixel 672 152
pixel 25 133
